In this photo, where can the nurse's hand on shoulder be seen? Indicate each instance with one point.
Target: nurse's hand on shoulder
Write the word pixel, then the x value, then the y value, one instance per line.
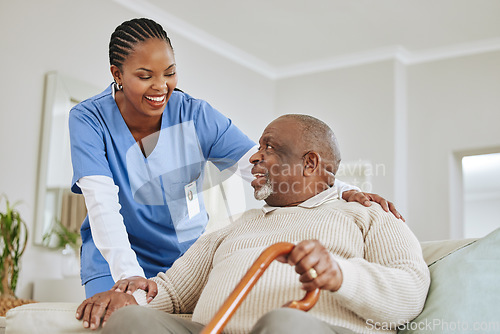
pixel 130 284
pixel 367 198
pixel 101 306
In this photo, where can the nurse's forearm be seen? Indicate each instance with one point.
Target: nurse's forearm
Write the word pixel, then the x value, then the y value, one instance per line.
pixel 107 227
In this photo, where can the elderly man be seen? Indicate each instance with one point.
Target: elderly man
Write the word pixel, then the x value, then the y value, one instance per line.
pixel 368 264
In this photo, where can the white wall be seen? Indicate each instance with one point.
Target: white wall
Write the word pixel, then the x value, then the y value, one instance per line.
pixel 242 95
pixel 453 107
pixel 72 37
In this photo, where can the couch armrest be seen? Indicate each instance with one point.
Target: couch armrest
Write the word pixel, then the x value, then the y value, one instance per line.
pixel 436 250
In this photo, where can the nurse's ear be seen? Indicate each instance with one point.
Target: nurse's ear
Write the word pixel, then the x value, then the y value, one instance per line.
pixel 117 74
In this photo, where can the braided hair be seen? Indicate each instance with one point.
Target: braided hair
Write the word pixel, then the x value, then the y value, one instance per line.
pixel 130 33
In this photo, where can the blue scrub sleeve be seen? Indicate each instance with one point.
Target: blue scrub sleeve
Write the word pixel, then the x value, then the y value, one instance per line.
pixel 227 143
pixel 88 154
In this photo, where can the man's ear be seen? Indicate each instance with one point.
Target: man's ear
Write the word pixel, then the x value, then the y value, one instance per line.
pixel 116 73
pixel 311 163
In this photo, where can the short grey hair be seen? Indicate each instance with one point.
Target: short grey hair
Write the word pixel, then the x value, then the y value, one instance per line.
pixel 318 136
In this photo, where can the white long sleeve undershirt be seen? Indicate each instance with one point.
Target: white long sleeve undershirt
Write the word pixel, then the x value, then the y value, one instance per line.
pixel 107 227
pixel 106 222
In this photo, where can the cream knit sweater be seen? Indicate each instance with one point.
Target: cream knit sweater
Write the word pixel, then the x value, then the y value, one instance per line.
pixel 385 279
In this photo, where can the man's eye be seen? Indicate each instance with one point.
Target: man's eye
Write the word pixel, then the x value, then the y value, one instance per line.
pixel 265 147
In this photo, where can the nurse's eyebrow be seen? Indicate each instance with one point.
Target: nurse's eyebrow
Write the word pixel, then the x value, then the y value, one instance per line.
pixel 147 70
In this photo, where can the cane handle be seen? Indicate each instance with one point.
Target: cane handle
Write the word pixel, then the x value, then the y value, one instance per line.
pixel 248 281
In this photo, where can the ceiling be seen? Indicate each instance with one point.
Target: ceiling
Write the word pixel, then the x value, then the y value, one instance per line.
pixel 278 37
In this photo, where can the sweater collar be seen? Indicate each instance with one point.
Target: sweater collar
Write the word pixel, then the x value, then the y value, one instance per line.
pixel 313 202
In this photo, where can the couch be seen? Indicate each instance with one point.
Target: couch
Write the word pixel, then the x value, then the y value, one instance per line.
pixel 464 296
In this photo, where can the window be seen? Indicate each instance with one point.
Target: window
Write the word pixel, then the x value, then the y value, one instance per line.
pixel 481 188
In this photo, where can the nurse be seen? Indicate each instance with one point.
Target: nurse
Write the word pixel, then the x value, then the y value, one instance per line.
pixel 139 150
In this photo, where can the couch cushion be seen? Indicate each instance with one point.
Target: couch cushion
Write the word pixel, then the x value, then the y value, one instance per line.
pixel 45 318
pixel 464 294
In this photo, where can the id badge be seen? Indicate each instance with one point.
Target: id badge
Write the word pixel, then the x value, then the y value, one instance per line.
pixel 193 205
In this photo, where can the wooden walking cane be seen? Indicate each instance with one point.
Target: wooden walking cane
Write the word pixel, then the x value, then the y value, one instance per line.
pixel 248 281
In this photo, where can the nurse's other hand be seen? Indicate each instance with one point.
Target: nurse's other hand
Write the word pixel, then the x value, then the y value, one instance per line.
pixel 102 305
pixel 130 284
pixel 367 198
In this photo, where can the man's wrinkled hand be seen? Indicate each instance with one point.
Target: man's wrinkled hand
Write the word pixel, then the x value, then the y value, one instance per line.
pixel 315 265
pixel 101 306
pixel 129 285
pixel 367 198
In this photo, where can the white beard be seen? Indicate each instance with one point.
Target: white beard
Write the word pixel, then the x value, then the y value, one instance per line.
pixel 265 191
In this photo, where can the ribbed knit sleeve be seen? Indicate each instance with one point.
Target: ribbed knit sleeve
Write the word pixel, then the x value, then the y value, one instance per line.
pixel 390 283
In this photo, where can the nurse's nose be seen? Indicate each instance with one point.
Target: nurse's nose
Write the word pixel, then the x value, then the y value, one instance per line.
pixel 160 84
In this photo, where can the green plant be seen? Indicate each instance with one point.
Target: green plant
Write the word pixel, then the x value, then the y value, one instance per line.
pixel 64 236
pixel 13 241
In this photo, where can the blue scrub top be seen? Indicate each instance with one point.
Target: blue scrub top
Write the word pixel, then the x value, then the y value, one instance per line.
pixel 151 190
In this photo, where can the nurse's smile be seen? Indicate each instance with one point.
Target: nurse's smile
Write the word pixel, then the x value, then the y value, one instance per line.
pixel 156 101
